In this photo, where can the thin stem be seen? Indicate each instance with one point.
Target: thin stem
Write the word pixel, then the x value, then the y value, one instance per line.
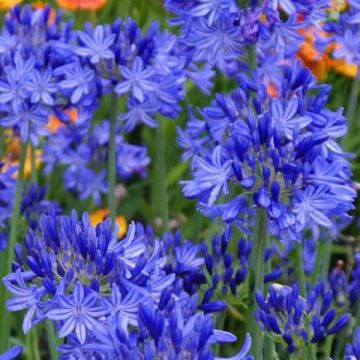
pixel 160 185
pixel 51 339
pixel 5 316
pixel 269 345
pixel 33 173
pixel 326 260
pixel 310 353
pixel 328 345
pixel 220 322
pixel 257 272
pixel 300 270
pixel 35 343
pixel 350 112
pixel 111 159
pixel 318 262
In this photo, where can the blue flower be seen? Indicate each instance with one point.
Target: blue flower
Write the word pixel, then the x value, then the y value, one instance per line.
pixel 174 330
pixel 137 80
pixel 13 86
pixel 212 177
pixel 284 314
pixel 78 82
pixel 95 45
pixel 25 297
pixel 78 312
pixel 282 151
pixel 40 87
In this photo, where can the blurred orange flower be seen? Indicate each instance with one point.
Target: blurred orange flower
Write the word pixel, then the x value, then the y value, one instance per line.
pixel 8 4
pixel 91 5
pixel 54 123
pixel 12 154
pixel 320 63
pixel 99 215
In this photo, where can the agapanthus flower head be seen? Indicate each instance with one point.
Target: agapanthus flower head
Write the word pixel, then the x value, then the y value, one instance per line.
pixel 81 152
pixel 277 153
pixel 218 33
pixel 143 67
pixel 284 314
pixel 173 328
pixel 227 271
pixel 66 264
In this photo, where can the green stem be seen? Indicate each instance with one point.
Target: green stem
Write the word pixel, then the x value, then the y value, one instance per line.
pixel 111 159
pixel 35 343
pixel 269 345
pixel 257 272
pixel 219 324
pixel 326 260
pixel 160 186
pixel 51 339
pixel 252 60
pixel 319 260
pixel 33 173
pixel 300 270
pixel 310 353
pixel 328 345
pixel 350 113
pixel 5 316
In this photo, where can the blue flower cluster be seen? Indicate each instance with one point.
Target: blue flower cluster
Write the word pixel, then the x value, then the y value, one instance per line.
pixel 345 33
pixel 92 286
pixel 173 329
pixel 217 32
pixel 29 83
pixel 143 68
pixel 85 154
pixel 227 272
pixel 296 321
pixel 277 152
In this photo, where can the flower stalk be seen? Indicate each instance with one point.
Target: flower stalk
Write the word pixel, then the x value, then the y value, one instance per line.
pixel 5 316
pixel 160 196
pixel 112 159
pixel 257 272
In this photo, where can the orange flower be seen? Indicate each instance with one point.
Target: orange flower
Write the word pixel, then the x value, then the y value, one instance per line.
pixel 271 90
pixel 12 154
pixel 101 214
pixel 54 123
pixel 90 5
pixel 8 4
pixel 319 64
